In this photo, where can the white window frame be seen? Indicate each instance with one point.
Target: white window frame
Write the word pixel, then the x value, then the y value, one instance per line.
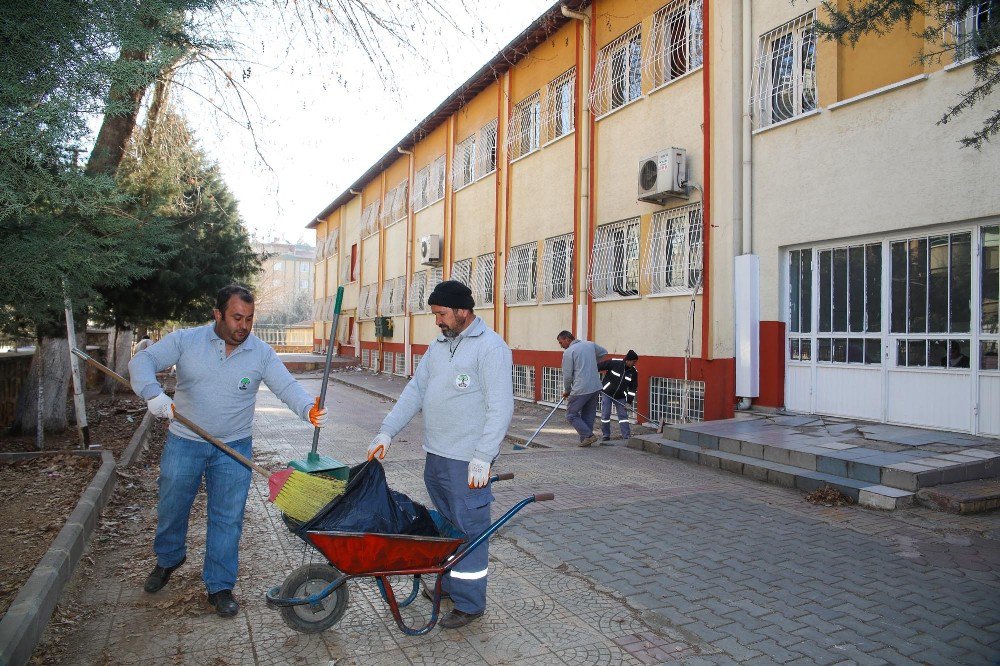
pixel 520 285
pixel 400 367
pixel 461 270
pixel 676 400
pixel 676 38
pixel 552 385
pixel 797 40
pixel 523 377
pixel 673 258
pixel 395 207
pixel 486 150
pixel 463 168
pixel 557 270
pixel 385 298
pixel 614 86
pixel 418 195
pixel 483 280
pixel 559 118
pixel 965 29
pixel 368 301
pixel 369 220
pixel 435 184
pixel 614 261
pixel 524 135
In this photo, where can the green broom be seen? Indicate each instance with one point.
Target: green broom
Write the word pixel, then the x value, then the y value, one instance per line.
pixel 315 463
pixel 296 494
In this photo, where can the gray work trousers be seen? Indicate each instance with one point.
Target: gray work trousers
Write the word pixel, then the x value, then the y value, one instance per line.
pixel 581 410
pixel 606 405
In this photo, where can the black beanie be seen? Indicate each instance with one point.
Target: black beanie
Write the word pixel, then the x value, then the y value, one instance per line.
pixel 631 356
pixel 452 294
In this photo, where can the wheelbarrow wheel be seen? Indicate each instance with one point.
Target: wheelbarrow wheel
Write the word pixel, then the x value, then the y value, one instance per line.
pixel 305 581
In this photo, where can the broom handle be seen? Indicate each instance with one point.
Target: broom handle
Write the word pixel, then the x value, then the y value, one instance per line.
pixel 329 359
pixel 180 417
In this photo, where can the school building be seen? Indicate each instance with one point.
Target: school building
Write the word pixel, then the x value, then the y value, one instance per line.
pixel 767 217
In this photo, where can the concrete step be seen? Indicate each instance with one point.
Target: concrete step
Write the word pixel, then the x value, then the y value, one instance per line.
pixel 908 470
pixel 966 497
pixel 873 495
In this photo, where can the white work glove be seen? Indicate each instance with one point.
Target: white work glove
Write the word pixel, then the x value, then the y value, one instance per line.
pixel 479 473
pixel 379 446
pixel 162 406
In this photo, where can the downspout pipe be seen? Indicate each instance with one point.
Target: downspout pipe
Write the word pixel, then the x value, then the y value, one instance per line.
pixel 407 350
pixel 582 318
pixel 747 188
pixel 706 87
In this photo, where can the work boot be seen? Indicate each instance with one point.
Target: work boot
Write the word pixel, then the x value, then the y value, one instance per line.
pixel 590 440
pixel 225 605
pixel 457 618
pixel 156 580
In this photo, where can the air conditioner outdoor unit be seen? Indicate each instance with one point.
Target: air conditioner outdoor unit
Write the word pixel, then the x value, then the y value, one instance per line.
pixel 663 175
pixel 430 250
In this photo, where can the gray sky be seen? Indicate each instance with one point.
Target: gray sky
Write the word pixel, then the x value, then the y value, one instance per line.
pixel 322 120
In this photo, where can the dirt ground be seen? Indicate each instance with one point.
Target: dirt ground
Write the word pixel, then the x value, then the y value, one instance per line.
pixel 38 495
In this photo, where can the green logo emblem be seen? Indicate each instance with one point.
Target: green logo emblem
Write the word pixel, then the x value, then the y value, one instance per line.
pixel 244 383
pixel 463 380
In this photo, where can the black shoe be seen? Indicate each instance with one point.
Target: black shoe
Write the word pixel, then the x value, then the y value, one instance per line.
pixel 428 591
pixel 457 618
pixel 225 605
pixel 156 580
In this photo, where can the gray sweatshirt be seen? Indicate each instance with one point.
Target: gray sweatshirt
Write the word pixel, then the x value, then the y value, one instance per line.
pixel 215 391
pixel 579 366
pixel 465 389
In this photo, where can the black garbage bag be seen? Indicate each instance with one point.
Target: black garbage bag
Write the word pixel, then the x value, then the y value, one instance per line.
pixel 370 505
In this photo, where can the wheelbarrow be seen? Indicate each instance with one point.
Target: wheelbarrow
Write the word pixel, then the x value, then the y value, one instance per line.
pixel 315 596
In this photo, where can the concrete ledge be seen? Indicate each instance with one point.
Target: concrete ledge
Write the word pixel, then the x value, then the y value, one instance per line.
pixel 963 498
pixel 29 613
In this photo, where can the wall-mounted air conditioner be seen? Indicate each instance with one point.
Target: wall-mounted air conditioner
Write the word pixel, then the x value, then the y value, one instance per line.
pixel 430 250
pixel 663 175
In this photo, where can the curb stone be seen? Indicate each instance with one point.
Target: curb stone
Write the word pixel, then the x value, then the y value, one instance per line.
pixel 137 445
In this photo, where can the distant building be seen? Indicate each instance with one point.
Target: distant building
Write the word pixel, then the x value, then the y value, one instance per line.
pixel 287 274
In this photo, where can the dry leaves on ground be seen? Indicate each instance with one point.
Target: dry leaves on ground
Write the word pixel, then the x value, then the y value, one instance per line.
pixel 828 496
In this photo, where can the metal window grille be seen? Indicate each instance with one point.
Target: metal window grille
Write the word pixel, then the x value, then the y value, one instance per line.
pixel 365 358
pixel 394 208
pixel 416 361
pixel 560 106
pixel 369 220
pixel 523 134
pixel 524 381
pixel 385 301
pixel 400 368
pixel 418 292
pixel 618 73
pixel 673 257
pixel 435 183
pixel 345 270
pixel 552 384
pixel 521 276
pixel 374 363
pixel 970 30
pixel 557 269
pixel 614 263
pixel 486 150
pixel 397 305
pixel 418 197
pixel 434 278
pixel 676 47
pixel 482 281
pixel 784 84
pixel 368 301
pixel 388 361
pixel 463 168
pixel 334 242
pixel 675 400
pixel 462 271
pixel 345 333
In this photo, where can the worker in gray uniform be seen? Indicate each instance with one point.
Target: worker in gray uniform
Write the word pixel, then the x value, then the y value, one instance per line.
pixel 465 389
pixel 220 366
pixel 582 383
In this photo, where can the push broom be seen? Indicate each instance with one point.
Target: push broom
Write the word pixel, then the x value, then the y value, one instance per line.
pixel 297 494
pixel 315 463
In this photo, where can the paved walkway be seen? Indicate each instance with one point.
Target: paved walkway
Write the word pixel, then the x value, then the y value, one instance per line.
pixel 641 559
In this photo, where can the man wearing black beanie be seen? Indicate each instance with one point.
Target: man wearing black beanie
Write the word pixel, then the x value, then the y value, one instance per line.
pixel 464 387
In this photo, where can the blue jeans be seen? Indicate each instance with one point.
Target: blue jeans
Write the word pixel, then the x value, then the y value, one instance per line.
pixel 581 411
pixel 468 509
pixel 227 482
pixel 606 404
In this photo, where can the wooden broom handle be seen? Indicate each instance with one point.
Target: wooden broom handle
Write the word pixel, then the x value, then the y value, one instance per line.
pixel 180 417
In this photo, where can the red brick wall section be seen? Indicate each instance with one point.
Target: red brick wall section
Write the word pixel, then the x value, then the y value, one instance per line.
pixel 772 364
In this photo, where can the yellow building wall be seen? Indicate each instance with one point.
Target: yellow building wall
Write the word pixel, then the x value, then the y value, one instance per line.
pixel 475 218
pixel 394 239
pixel 546 61
pixel 542 193
pixel 534 327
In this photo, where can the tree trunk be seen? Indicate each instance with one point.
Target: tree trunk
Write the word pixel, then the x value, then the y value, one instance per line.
pixel 119 354
pixel 52 357
pixel 117 128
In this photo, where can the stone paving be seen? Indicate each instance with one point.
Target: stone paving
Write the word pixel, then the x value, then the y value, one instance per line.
pixel 641 559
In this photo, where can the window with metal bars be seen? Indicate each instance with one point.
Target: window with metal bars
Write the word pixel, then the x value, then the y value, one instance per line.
pixel 676 47
pixel 784 84
pixel 524 128
pixel 559 117
pixel 486 150
pixel 975 33
pixel 524 381
pixel 463 168
pixel 367 301
pixel 614 263
pixel 557 269
pixel 398 304
pixel 418 196
pixel 369 220
pixel 385 300
pixel 482 280
pixel 676 401
pixel 388 361
pixel 374 359
pixel 400 368
pixel 462 271
pixel 418 292
pixel 618 73
pixel 673 257
pixel 521 276
pixel 552 385
pixel 435 184
pixel 365 358
pixel 416 361
pixel 394 207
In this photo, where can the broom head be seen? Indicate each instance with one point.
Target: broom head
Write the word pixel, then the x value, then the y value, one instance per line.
pixel 301 496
